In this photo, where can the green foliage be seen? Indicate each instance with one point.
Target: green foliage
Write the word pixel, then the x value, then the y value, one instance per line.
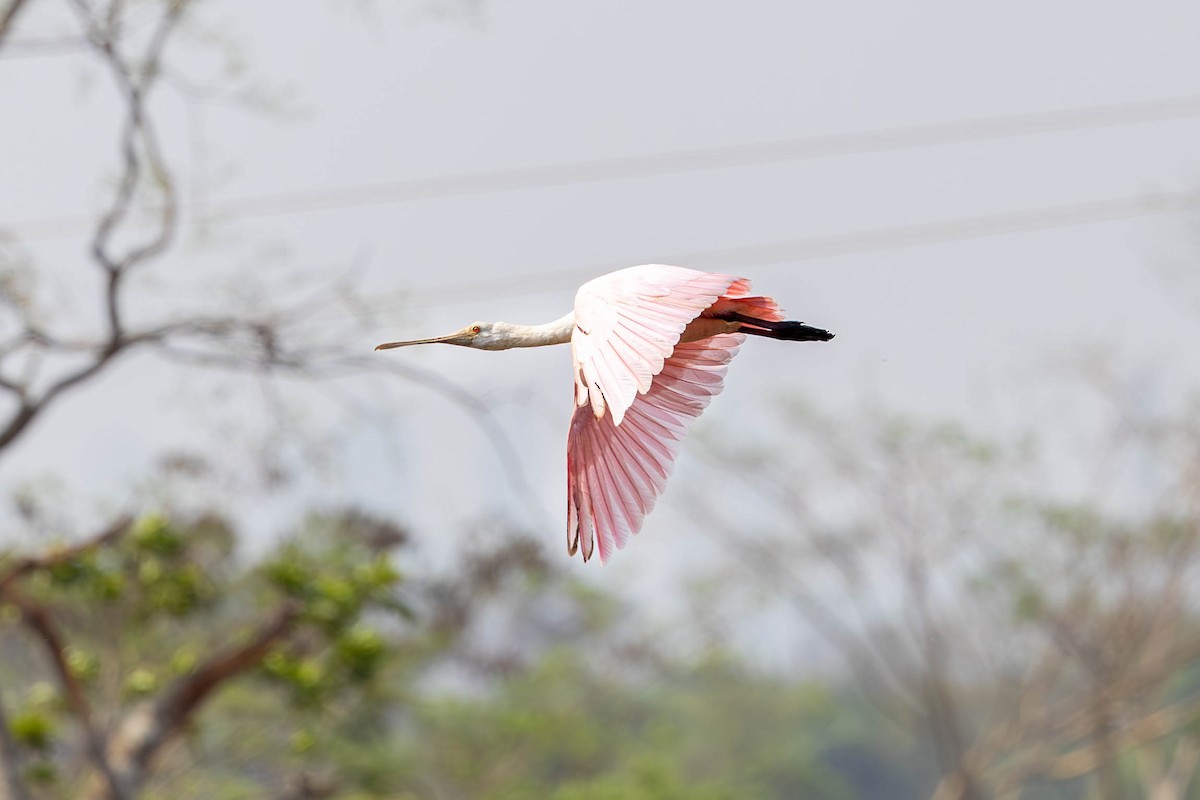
pixel 41 773
pixel 652 778
pixel 158 569
pixel 1080 521
pixel 344 700
pixel 335 578
pixel 153 606
pixel 33 728
pixel 564 726
pixel 341 698
pixel 153 534
pixel 332 578
pixel 1029 605
pixel 361 650
pixel 141 681
pixel 84 665
pixel 36 728
pixel 567 731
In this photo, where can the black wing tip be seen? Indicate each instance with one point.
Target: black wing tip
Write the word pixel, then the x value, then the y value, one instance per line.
pixel 823 335
pixel 785 330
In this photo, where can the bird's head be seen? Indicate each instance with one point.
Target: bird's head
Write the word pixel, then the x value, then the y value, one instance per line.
pixel 479 335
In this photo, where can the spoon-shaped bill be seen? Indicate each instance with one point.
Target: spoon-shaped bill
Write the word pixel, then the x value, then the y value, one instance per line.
pixel 458 337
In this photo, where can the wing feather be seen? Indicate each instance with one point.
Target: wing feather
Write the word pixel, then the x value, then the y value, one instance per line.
pixel 616 472
pixel 637 389
pixel 627 324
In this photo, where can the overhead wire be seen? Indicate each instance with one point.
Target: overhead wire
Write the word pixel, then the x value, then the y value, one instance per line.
pixel 860 142
pixel 839 244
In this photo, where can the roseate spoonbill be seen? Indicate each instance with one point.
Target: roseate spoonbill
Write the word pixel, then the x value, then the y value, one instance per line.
pixel 650 345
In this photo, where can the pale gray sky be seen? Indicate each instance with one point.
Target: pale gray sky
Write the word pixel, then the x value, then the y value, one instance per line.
pixel 380 93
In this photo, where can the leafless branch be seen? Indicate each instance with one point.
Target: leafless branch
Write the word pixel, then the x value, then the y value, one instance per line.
pixel 141 158
pixel 8 16
pixel 1090 661
pixel 139 144
pixel 1088 758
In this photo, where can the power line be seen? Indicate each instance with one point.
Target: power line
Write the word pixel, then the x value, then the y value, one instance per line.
pixel 852 243
pixel 860 142
pixel 34 47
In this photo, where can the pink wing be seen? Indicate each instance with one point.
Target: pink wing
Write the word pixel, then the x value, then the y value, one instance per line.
pixel 615 473
pixel 626 326
pixel 637 390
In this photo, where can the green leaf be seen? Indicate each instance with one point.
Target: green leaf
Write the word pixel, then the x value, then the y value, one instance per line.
pixel 32 728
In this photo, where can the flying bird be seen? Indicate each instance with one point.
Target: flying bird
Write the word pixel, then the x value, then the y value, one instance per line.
pixel 650 346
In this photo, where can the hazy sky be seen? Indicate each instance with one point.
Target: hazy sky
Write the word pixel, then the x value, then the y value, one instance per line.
pixel 373 95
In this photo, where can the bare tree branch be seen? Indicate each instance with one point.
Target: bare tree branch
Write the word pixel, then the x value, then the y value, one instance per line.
pixel 1108 623
pixel 42 365
pixel 139 145
pixel 8 16
pixel 1090 757
pixel 142 160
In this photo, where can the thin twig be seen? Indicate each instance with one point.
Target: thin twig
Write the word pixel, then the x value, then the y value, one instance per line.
pixel 8 16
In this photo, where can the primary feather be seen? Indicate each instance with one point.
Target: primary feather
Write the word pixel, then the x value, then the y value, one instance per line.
pixel 639 384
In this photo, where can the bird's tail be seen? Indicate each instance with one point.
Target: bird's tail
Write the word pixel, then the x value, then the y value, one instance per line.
pixel 787 330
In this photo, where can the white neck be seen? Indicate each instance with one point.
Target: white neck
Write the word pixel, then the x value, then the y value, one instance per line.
pixel 509 335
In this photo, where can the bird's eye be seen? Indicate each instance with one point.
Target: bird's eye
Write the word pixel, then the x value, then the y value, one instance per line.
pixel 475 329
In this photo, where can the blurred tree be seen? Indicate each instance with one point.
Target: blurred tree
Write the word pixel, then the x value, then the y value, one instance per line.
pixel 177 671
pixel 201 618
pixel 43 357
pixel 571 725
pixel 1028 639
pixel 1043 649
pixel 141 625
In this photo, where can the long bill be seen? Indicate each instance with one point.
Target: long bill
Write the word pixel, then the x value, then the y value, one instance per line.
pixel 453 337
